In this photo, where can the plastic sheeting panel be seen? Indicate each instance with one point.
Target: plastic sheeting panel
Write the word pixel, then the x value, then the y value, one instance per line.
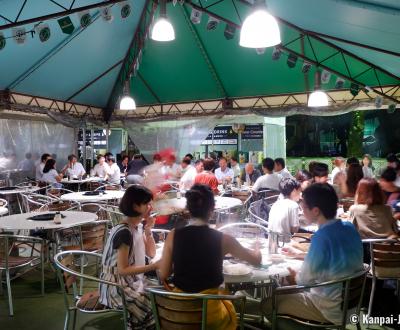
pixel 19 137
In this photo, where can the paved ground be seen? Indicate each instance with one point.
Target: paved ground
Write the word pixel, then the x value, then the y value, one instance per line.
pixel 33 312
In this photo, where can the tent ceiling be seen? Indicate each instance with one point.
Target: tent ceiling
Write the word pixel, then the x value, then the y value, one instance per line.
pixel 201 67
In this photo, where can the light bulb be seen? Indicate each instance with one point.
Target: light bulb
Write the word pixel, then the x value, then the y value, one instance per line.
pixel 259 30
pixel 127 103
pixel 318 99
pixel 163 30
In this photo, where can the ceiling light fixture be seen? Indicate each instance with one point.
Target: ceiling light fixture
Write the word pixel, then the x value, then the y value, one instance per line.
pixel 127 102
pixel 260 29
pixel 163 29
pixel 318 98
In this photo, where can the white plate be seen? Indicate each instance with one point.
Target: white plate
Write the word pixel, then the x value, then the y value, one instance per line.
pixel 236 269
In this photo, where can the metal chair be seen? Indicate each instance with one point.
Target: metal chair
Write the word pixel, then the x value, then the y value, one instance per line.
pixel 11 246
pixel 264 193
pixel 113 214
pixel 385 263
pixel 33 202
pixel 60 206
pixel 352 293
pixel 56 193
pixel 68 274
pixel 109 186
pixel 259 212
pixel 187 311
pixel 3 202
pixel 245 230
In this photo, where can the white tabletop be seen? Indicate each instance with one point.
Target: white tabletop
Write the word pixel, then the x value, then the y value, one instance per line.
pixel 80 197
pixel 257 274
pixel 20 190
pixel 21 221
pixel 3 210
pixel 176 205
pixel 90 179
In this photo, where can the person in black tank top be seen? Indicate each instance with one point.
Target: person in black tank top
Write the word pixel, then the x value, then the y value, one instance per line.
pixel 194 255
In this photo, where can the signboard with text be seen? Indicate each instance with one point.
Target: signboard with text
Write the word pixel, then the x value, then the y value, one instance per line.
pixel 221 135
pixel 253 132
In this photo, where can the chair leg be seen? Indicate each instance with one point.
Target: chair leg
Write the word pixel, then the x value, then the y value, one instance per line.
pixel 74 320
pixel 1 282
pixel 42 273
pixel 371 297
pixel 10 304
pixel 66 322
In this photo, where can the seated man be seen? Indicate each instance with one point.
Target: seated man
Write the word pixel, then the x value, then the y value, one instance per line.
pixel 284 215
pixel 269 180
pixel 101 168
pixel 236 168
pixel 187 180
pixel 320 172
pixel 280 168
pixel 335 252
pixel 250 174
pixel 223 172
pixel 73 167
pixel 207 177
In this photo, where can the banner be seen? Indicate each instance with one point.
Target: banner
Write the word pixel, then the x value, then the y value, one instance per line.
pixel 43 30
pixel 19 35
pixel 66 25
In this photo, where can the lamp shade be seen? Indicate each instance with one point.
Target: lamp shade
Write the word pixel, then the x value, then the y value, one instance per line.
pixel 259 30
pixel 318 99
pixel 127 103
pixel 163 30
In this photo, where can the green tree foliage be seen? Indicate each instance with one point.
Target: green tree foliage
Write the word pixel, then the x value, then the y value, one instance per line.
pixel 356 135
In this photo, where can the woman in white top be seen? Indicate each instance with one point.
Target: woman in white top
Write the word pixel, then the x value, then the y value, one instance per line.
pixel 367 166
pixel 50 174
pixel 101 168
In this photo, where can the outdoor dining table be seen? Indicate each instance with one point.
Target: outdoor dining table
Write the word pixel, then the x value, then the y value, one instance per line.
pixel 102 196
pixel 22 221
pixel 177 205
pixel 78 182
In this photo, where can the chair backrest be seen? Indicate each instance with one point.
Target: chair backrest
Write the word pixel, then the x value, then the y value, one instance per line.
pixel 57 192
pixel 259 212
pixel 174 310
pixel 385 257
pixel 69 271
pixel 60 206
pixel 160 235
pixel 33 202
pixel 110 186
pixel 263 193
pixel 347 203
pixel 352 293
pixel 113 214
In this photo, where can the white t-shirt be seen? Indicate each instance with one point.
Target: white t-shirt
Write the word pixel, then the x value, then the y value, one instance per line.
pixel 187 179
pixel 284 214
pixel 284 173
pixel 335 171
pixel 267 181
pixel 100 170
pixel 114 174
pixel 76 170
pixel 220 175
pixel 39 171
pixel 50 176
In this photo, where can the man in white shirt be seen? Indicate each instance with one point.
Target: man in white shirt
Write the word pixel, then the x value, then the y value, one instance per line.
pixel 40 166
pixel 73 168
pixel 101 168
pixel 284 214
pixel 269 180
pixel 113 172
pixel 236 168
pixel 187 180
pixel 279 168
pixel 224 173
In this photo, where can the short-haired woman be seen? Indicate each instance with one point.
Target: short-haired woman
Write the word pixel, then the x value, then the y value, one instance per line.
pixel 195 253
pixel 371 217
pixel 123 259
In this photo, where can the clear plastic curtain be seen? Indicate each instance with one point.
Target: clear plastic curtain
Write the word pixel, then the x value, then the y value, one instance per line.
pixel 18 137
pixel 183 136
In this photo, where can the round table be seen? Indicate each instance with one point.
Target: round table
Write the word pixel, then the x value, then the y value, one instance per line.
pixel 176 205
pixel 81 198
pixel 19 190
pixel 21 221
pixel 80 181
pixel 3 210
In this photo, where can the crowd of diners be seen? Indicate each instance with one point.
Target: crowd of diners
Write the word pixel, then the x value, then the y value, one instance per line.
pixel 192 256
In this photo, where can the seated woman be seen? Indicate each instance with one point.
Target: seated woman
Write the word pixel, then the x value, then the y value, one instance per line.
pixel 195 253
pixel 50 174
pixel 123 259
pixel 348 183
pixel 371 217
